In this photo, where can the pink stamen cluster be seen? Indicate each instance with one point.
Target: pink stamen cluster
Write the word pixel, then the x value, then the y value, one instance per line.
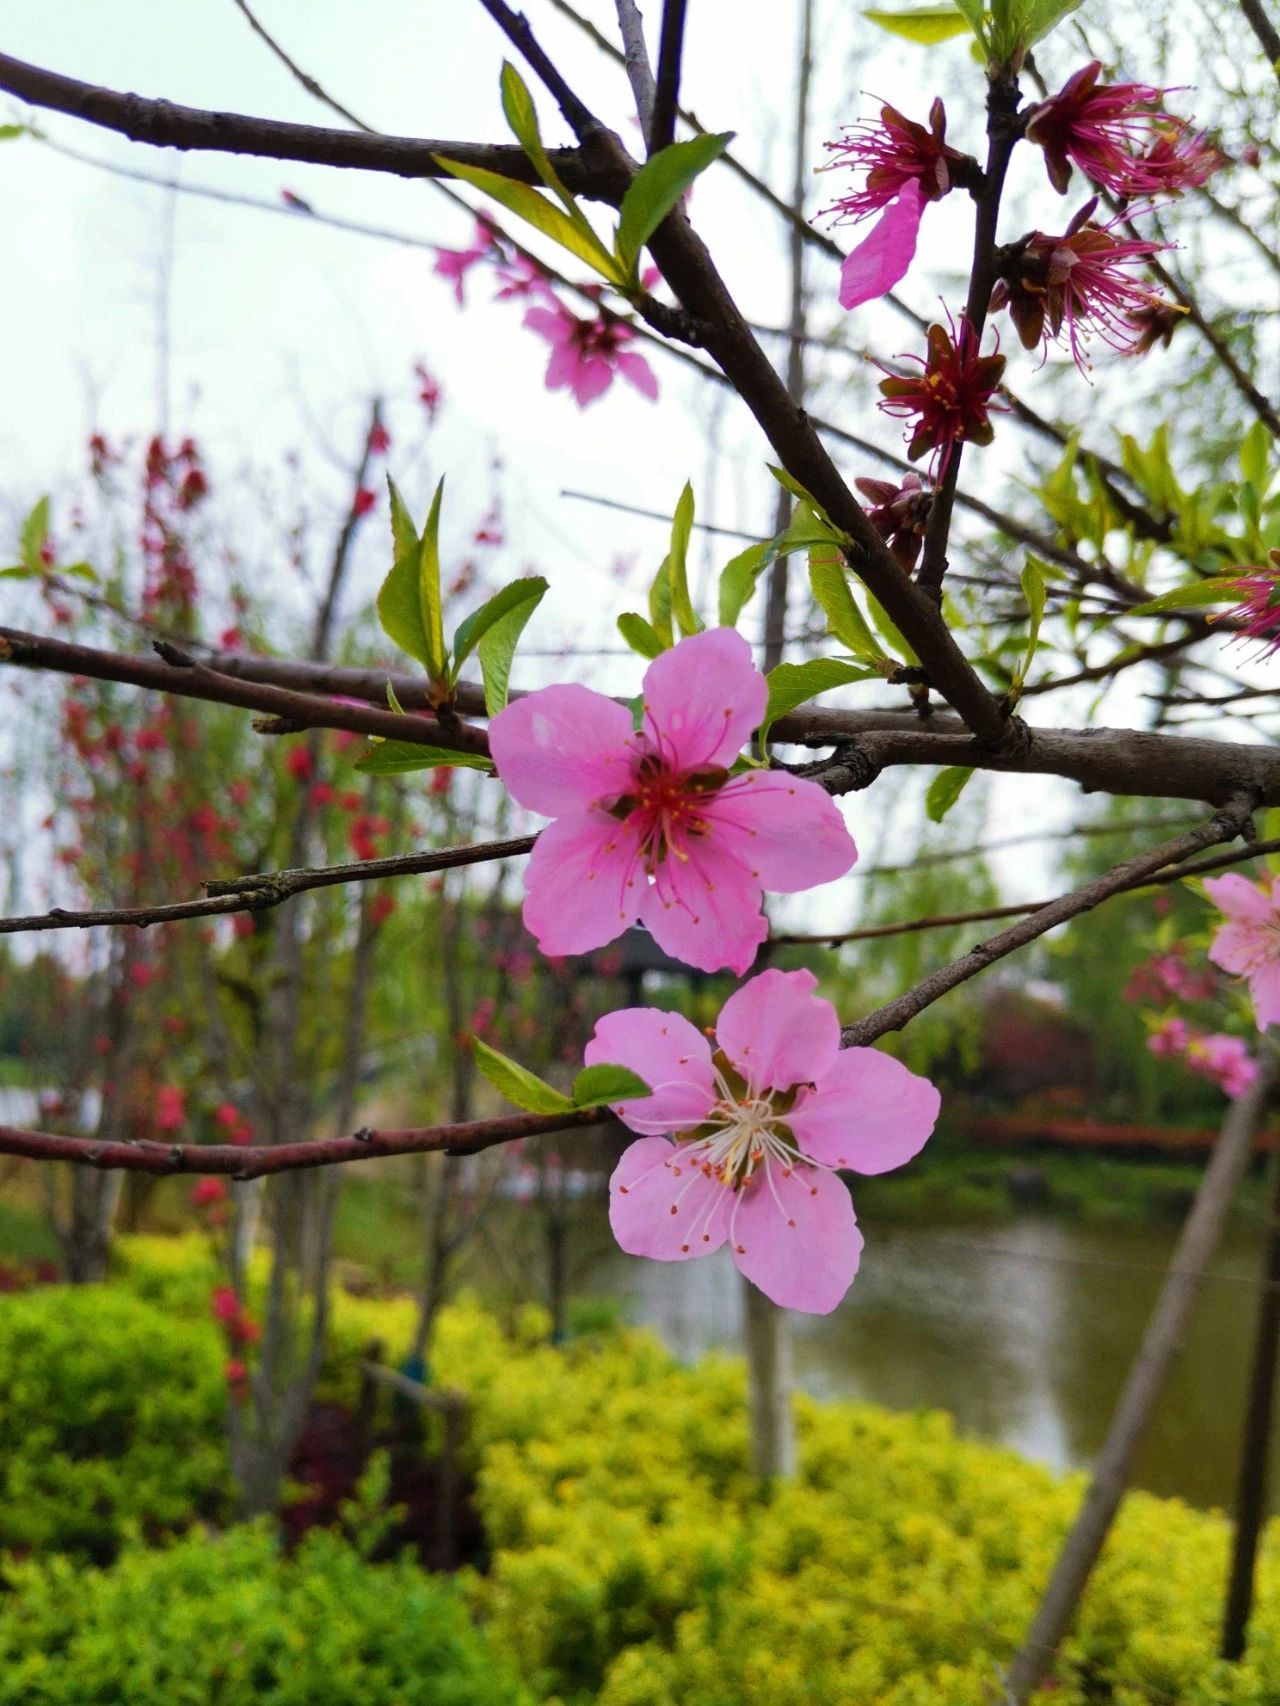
pixel 893 152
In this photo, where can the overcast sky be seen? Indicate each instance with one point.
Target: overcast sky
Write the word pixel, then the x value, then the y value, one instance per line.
pixel 123 304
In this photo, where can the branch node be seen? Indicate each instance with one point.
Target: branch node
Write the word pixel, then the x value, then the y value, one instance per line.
pixel 173 655
pixel 364 1135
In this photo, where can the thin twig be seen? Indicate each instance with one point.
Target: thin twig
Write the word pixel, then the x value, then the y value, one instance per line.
pixel 666 97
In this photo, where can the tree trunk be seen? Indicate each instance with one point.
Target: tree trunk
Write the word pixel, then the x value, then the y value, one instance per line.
pixel 773 1434
pixel 1195 1249
pixel 1251 1495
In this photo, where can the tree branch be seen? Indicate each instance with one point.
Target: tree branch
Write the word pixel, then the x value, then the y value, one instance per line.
pixel 256 1161
pixel 261 891
pixel 666 96
pixel 1224 825
pixel 163 124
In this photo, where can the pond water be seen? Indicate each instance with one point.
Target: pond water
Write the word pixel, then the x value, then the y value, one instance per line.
pixel 1024 1330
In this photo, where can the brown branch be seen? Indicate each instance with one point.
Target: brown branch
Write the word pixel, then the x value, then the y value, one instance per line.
pixel 192 680
pixel 256 1161
pixel 666 93
pixel 163 124
pixel 1266 32
pixel 1224 825
pixel 261 891
pixel 1017 909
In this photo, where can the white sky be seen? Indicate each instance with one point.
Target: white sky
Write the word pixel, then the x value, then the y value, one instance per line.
pixel 278 330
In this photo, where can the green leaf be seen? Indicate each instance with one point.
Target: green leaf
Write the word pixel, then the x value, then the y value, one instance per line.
pixel 945 789
pixel 534 208
pixel 798 491
pixel 639 635
pixel 657 187
pixel 972 11
pixel 1033 590
pixel 597 1085
pixel 681 529
pixel 9 131
pixel 497 648
pixel 791 684
pixel 888 630
pixel 1255 455
pixel 844 619
pixel 660 604
pixel 35 530
pixel 409 600
pixel 404 534
pixel 17 572
pixel 1189 597
pixel 738 580
pixel 529 589
pixel 807 527
pixel 398 757
pixel 924 25
pixel 517 1083
pixel 1041 16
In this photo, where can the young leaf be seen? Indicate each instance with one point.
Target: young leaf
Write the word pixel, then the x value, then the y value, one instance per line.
pixel 797 491
pixel 1189 597
pixel 657 187
pixel 398 757
pixel 517 1083
pixel 924 25
pixel 945 789
pixel 1255 454
pixel 497 648
pixel 528 590
pixel 409 600
pixel 887 629
pixel 1041 16
pixel 35 530
pixel 1034 593
pixel 522 116
pixel 844 619
pixel 597 1085
pixel 973 14
pixel 738 580
pixel 681 530
pixel 534 208
pixel 791 684
pixel 404 535
pixel 9 131
pixel 639 635
pixel 807 527
pixel 660 604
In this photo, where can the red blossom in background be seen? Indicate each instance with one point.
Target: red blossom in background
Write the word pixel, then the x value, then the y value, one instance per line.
pixel 364 501
pixel 950 401
pixel 586 354
pixel 1064 289
pixel 171 1108
pixel 1120 137
pixel 206 1192
pixel 379 441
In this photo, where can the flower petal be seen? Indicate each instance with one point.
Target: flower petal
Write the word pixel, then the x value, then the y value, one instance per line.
pixel 794 1236
pixel 1264 987
pixel 563 748
pixel 788 830
pixel 868 1112
pixel 703 698
pixel 592 379
pixel 777 1032
pixel 671 1055
pixel 1240 899
pixel 663 1208
pixel 1241 946
pixel 885 253
pixel 705 909
pixel 583 885
pixel 637 370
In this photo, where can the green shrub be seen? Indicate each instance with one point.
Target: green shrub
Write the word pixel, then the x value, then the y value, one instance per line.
pixel 228 1620
pixel 110 1418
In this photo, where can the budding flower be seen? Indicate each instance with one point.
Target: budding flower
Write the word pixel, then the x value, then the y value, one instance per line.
pixel 899 514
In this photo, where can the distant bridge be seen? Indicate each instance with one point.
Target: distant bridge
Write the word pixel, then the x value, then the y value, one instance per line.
pixel 1018 1130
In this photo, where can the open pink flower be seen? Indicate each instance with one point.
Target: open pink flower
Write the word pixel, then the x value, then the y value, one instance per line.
pixel 1248 944
pixel 1225 1061
pixel 649 823
pixel 585 354
pixel 758 1130
pixel 906 166
pixel 455 264
pixel 1170 1039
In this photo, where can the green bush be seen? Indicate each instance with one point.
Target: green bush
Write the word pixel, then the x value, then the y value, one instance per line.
pixel 228 1620
pixel 110 1417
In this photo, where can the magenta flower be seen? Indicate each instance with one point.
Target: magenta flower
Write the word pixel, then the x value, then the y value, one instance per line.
pixel 759 1128
pixel 1248 944
pixel 1170 1039
pixel 1120 137
pixel 1257 615
pixel 899 514
pixel 585 354
pixel 1225 1061
pixel 906 166
pixel 950 400
pixel 1063 289
pixel 455 264
pixel 650 824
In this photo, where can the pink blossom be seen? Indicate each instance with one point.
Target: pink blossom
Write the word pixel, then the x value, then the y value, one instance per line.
pixel 1257 615
pixel 951 398
pixel 650 824
pixel 1119 136
pixel 171 1109
pixel 1224 1060
pixel 585 354
pixel 521 277
pixel 455 264
pixel 1170 1038
pixel 1248 944
pixel 1063 289
pixel 759 1128
pixel 885 254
